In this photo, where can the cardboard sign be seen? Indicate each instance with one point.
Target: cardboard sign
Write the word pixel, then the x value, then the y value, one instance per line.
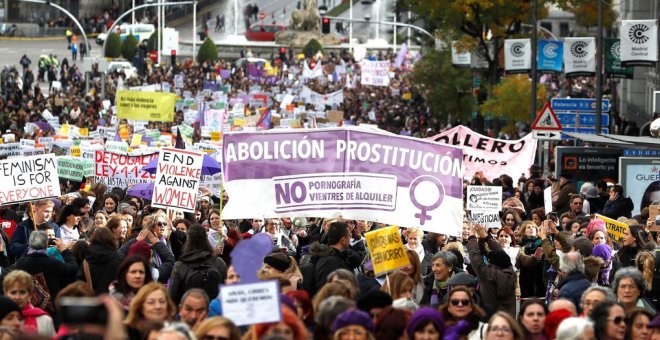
pixel 74 168
pixel 28 179
pixel 386 249
pixel 252 303
pixel 487 218
pixel 177 179
pixel 615 229
pixel 481 197
pixel 547 199
pixel 149 106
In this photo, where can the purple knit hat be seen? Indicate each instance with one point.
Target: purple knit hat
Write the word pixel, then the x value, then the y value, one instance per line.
pixel 421 316
pixel 353 317
pixel 603 251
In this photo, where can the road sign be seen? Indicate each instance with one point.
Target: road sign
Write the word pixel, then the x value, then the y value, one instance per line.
pixel 546 120
pixel 587 130
pixel 578 104
pixel 586 118
pixel 548 135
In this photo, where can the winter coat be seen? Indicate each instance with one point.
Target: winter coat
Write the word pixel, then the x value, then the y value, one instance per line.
pixel 19 240
pixel 622 206
pixel 325 260
pixel 187 261
pixel 563 203
pixel 428 281
pixel 531 270
pixel 57 274
pixel 497 285
pixel 103 264
pixel 534 201
pixel 572 287
pixel 159 250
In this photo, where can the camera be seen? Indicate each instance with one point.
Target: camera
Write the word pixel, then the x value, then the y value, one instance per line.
pixel 83 311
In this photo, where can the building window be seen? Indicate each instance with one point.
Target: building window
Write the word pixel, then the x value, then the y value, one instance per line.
pixel 564 29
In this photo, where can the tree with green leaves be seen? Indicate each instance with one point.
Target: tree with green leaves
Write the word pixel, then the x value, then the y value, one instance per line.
pixel 112 46
pixel 312 47
pixel 207 52
pixel 129 47
pixel 586 12
pixel 446 89
pixel 152 42
pixel 511 98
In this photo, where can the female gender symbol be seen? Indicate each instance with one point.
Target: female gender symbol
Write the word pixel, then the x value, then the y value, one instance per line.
pixel 422 215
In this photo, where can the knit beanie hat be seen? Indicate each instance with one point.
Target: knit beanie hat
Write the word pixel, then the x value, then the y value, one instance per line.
pixel 140 248
pixel 603 251
pixel 421 316
pixel 374 299
pixel 499 258
pixel 7 306
pixel 278 261
pixel 553 319
pixel 353 317
pixel 596 224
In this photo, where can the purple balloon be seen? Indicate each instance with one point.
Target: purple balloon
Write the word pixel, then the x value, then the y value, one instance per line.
pixel 248 256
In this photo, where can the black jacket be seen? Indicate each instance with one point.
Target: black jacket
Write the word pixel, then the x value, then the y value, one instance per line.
pixel 103 264
pixel 186 261
pixel 160 249
pixel 619 207
pixel 57 274
pixel 326 260
pixel 572 287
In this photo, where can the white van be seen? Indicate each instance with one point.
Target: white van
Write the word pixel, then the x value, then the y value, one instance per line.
pixel 141 32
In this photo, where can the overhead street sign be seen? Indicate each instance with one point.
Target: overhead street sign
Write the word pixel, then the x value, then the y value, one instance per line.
pixel 587 130
pixel 586 119
pixel 578 104
pixel 547 135
pixel 546 120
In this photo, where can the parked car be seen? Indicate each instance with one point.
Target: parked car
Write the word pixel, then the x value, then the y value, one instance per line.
pixel 263 32
pixel 141 32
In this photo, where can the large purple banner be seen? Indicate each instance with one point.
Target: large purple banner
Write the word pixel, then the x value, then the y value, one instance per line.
pixel 349 172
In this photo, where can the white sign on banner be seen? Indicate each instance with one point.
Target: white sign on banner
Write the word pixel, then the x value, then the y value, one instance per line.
pixel 486 218
pixel 639 42
pixel 213 183
pixel 547 199
pixel 28 179
pixel 517 55
pixel 121 170
pixel 177 179
pixel 310 97
pixel 481 197
pixel 491 156
pixel 460 59
pixel 580 56
pixel 375 73
pixel 251 303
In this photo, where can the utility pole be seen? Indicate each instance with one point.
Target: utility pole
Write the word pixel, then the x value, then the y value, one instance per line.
pixel 534 52
pixel 599 69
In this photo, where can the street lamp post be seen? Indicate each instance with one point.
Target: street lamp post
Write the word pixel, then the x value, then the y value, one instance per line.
pixel 396 24
pixel 73 18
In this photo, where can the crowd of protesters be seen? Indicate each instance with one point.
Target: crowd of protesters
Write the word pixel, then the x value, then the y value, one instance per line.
pixel 537 276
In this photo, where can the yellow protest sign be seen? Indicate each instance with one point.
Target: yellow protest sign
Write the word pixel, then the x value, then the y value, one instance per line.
pixel 386 249
pixel 136 140
pixel 215 136
pixel 83 132
pixel 615 229
pixel 149 106
pixel 75 151
pixel 64 130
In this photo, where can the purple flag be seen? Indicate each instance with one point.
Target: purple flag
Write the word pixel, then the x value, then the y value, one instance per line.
pixel 225 74
pixel 402 54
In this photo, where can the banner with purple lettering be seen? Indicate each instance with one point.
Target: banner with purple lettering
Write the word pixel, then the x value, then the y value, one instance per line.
pixel 491 156
pixel 356 174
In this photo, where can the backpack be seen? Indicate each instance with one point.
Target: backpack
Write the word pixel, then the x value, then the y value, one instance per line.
pixel 308 271
pixel 203 276
pixel 41 297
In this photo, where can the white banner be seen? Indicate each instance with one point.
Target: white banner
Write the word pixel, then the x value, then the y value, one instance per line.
pixel 580 56
pixel 177 179
pixel 317 71
pixel 119 170
pixel 376 73
pixel 28 179
pixel 517 55
pixel 639 42
pixel 310 97
pixel 491 156
pixel 460 59
pixel 486 218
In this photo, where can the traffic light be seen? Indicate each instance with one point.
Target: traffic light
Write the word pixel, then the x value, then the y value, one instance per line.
pixel 325 27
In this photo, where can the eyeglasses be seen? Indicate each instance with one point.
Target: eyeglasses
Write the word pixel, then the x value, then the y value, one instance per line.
pixel 212 337
pixel 618 320
pixel 497 329
pixel 160 223
pixel 462 302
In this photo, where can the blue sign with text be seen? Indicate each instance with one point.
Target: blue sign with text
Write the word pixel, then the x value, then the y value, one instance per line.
pixel 586 119
pixel 578 104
